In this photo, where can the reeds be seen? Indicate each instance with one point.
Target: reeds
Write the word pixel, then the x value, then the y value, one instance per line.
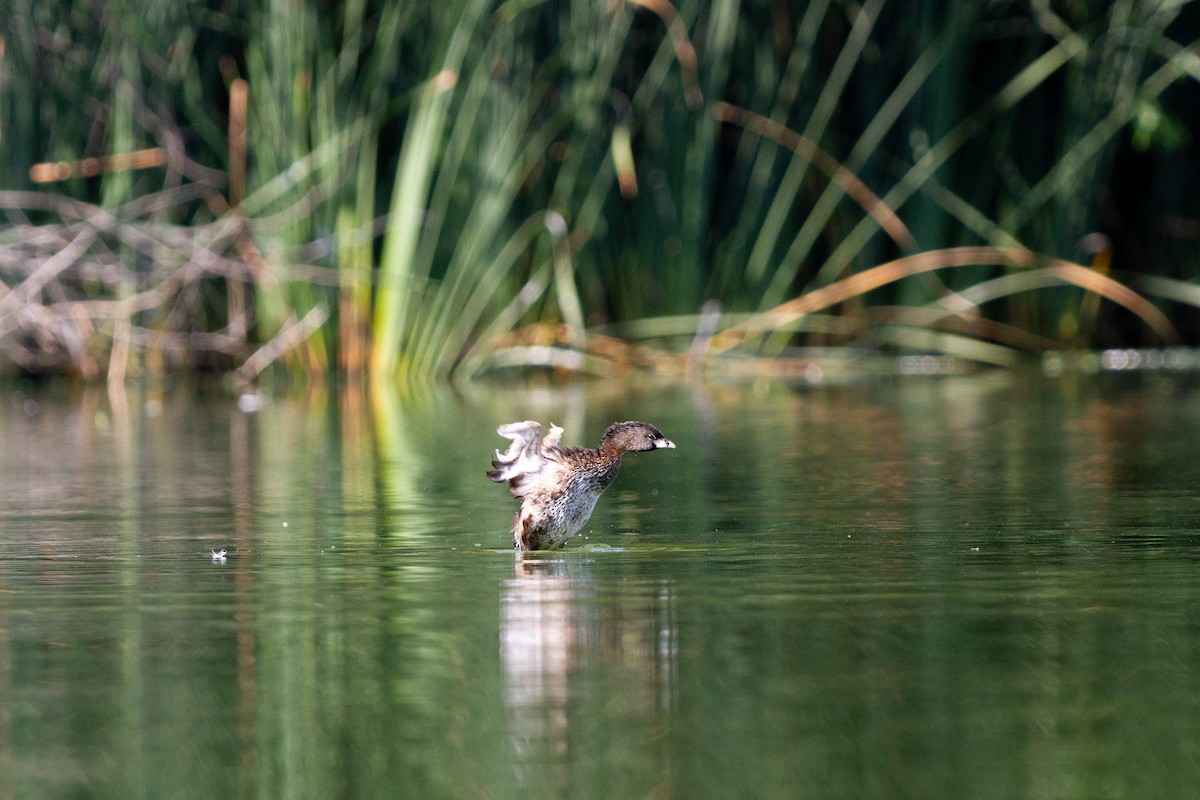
pixel 549 182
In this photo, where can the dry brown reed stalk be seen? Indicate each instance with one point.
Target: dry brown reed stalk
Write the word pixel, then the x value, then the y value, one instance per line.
pixel 973 326
pixel 50 172
pixel 558 347
pixel 1063 271
pixel 685 53
pixel 239 94
pixel 87 290
pixel 850 183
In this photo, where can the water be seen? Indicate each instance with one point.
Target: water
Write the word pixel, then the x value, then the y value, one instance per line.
pixel 966 587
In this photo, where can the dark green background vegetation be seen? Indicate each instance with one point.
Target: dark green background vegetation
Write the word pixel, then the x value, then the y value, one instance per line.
pixel 434 176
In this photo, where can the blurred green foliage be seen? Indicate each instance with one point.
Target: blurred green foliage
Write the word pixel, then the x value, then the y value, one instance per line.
pixel 426 153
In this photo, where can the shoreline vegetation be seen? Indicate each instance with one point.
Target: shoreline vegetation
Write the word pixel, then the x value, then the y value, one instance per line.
pixel 592 188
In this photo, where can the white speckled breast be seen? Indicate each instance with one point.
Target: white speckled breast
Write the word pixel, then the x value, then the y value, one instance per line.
pixel 559 507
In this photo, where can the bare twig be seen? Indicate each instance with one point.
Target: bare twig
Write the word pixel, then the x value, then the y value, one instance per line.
pixel 290 337
pixel 50 268
pixel 86 289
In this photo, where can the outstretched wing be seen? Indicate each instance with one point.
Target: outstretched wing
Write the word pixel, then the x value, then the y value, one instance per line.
pixel 525 461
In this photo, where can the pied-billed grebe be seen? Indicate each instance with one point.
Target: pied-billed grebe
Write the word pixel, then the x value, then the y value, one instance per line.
pixel 559 486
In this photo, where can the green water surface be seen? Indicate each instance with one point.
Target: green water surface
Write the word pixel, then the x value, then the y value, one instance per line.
pixel 974 587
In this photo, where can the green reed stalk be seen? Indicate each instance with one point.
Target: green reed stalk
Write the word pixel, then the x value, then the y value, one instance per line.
pixel 400 275
pixel 757 159
pixel 867 146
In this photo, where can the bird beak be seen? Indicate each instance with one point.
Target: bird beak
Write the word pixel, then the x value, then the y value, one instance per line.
pixel 660 443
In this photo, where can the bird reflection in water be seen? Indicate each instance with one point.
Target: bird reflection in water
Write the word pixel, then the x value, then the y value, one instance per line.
pixel 561 642
pixel 543 617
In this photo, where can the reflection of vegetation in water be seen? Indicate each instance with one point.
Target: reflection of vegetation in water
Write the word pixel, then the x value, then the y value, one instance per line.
pixel 427 182
pixel 910 583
